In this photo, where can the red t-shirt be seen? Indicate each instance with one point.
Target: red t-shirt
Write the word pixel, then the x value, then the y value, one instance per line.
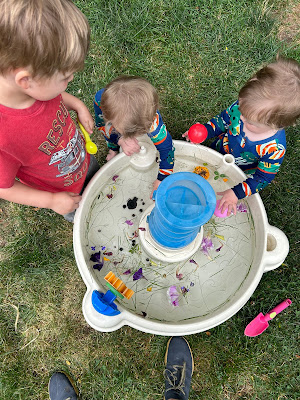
pixel 42 147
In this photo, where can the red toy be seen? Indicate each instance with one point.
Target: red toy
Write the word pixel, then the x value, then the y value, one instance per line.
pixel 197 133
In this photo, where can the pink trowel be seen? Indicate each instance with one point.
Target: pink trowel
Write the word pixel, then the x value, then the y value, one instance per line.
pixel 260 323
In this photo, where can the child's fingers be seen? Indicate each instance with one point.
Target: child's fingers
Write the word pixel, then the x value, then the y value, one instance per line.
pixel 186 136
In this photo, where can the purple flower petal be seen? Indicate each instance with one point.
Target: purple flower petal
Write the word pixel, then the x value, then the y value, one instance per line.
pixel 173 296
pixel 192 284
pixel 178 275
pixel 206 245
pixel 128 222
pixel 128 272
pixel 241 207
pixel 184 290
pixel 96 257
pixel 138 275
pixel 193 261
pixel 98 266
pixel 115 177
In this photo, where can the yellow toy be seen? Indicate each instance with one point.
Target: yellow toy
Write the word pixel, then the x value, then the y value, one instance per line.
pixel 90 146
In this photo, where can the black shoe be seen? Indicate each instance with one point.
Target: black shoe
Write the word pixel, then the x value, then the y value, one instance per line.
pixel 61 387
pixel 179 369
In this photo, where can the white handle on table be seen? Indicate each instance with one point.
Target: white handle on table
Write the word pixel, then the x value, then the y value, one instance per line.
pixel 277 248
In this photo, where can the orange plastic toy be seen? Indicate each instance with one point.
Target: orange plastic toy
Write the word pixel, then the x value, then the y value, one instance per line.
pixel 117 286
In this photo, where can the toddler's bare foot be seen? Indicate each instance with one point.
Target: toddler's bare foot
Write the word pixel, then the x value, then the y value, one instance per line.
pixel 111 154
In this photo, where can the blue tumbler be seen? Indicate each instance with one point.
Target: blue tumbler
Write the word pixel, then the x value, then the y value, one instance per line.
pixel 184 201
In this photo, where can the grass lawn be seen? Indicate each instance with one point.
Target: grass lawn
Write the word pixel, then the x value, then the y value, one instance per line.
pixel 197 54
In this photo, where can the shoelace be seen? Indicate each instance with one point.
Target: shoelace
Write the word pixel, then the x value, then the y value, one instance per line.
pixel 171 377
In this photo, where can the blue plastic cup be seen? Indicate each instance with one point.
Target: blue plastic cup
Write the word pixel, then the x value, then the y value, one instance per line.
pixel 184 201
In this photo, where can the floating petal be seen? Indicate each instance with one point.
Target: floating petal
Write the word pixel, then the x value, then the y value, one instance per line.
pixel 128 272
pixel 178 275
pixel 184 290
pixel 96 257
pixel 98 266
pixel 206 245
pixel 220 237
pixel 173 296
pixel 138 275
pixel 241 207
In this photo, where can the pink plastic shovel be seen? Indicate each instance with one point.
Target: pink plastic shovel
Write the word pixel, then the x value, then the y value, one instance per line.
pixel 260 323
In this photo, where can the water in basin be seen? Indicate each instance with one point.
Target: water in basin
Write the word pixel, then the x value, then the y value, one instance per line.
pixel 204 282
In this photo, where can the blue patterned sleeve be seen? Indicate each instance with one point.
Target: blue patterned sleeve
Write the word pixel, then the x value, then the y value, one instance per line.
pixel 162 140
pixel 271 157
pixel 109 133
pixel 220 123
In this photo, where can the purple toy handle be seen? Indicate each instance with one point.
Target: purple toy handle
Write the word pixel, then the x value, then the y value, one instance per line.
pixel 276 310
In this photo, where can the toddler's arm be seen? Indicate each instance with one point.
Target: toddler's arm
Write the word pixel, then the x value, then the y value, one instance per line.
pixel 162 140
pixel 110 135
pixel 62 202
pixel 84 116
pixel 216 126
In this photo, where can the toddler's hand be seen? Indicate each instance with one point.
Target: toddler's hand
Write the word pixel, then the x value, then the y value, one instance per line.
pixel 156 183
pixel 64 202
pixel 229 200
pixel 186 136
pixel 129 145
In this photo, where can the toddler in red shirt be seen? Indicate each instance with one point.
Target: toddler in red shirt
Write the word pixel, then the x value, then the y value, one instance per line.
pixel 43 161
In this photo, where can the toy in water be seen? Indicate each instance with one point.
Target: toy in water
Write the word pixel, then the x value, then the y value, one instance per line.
pixel 197 133
pixel 90 146
pixel 260 323
pixel 104 302
pixel 218 211
pixel 184 202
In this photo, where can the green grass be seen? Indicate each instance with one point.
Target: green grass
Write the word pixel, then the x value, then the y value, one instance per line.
pixel 197 54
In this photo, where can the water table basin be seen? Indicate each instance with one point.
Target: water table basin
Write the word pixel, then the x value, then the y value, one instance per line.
pixel 211 285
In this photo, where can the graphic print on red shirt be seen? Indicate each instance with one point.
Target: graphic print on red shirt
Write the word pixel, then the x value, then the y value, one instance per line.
pixel 42 147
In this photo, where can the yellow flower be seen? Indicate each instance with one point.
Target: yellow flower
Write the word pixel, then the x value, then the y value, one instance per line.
pixel 202 171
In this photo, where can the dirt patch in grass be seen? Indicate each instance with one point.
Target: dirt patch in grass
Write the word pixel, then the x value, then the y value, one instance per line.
pixel 289 26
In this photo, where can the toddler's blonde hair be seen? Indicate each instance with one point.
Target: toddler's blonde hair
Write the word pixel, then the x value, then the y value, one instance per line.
pixel 130 104
pixel 272 96
pixel 44 35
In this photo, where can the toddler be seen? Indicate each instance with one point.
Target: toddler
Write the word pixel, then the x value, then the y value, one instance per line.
pixel 43 161
pixel 252 129
pixel 126 108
